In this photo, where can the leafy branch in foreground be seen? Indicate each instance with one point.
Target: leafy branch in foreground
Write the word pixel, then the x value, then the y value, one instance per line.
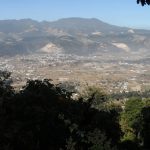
pixel 143 2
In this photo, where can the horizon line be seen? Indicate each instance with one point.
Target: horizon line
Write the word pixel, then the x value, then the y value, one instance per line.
pixel 90 18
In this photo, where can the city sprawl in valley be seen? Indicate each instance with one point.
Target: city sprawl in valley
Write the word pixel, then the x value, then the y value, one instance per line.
pixel 85 51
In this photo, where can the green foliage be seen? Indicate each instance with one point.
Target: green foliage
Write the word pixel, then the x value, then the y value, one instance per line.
pixel 147 102
pixel 44 116
pixel 128 95
pixel 135 121
pixel 114 105
pixel 131 119
pixel 97 94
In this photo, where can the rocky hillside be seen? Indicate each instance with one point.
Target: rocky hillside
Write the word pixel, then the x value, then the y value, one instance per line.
pixel 72 35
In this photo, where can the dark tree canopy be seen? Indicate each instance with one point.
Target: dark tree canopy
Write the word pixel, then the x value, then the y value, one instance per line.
pixel 43 116
pixel 143 2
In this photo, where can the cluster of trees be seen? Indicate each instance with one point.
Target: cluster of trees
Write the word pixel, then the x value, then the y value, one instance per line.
pixel 44 116
pixel 135 121
pixel 127 95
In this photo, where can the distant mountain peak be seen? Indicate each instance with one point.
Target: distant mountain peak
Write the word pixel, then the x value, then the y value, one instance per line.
pixel 69 35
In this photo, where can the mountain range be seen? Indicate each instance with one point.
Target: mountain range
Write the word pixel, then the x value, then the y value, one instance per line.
pixel 70 35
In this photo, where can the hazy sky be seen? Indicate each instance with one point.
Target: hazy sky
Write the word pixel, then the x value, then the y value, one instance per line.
pixel 118 12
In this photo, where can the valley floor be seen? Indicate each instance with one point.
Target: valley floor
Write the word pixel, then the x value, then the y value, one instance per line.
pixel 111 72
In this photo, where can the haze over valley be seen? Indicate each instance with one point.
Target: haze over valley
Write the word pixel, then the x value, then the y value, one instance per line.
pixel 76 49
